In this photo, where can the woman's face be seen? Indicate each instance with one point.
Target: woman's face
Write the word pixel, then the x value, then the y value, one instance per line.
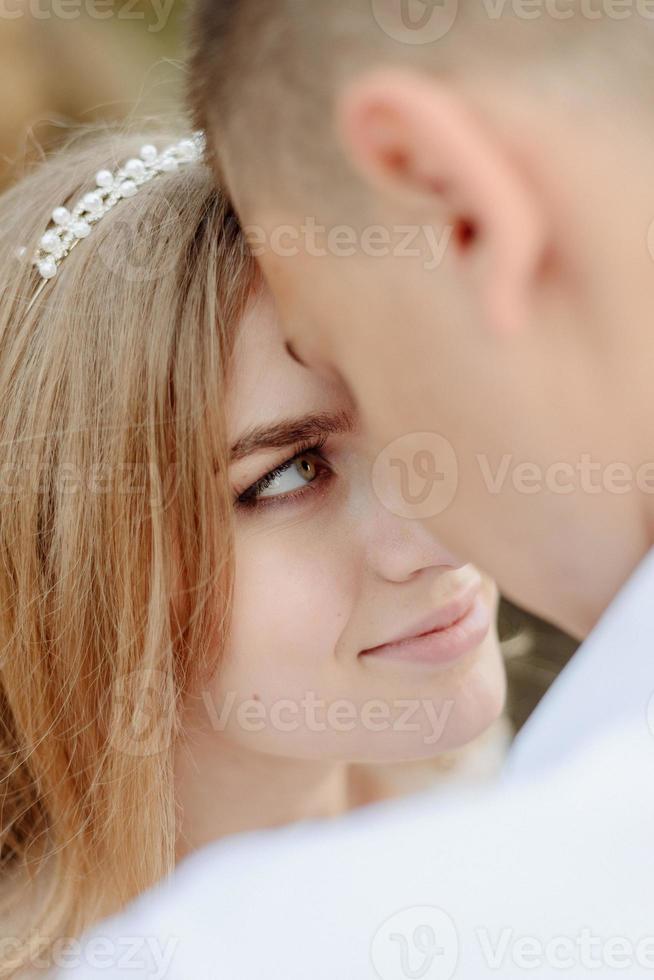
pixel 325 572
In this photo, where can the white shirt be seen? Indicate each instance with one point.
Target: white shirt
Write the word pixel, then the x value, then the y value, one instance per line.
pixel 609 679
pixel 550 874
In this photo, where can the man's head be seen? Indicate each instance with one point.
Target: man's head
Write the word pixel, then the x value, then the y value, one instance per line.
pixel 460 228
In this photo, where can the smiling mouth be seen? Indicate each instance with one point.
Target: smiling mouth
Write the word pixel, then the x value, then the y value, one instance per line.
pixel 441 619
pixel 452 632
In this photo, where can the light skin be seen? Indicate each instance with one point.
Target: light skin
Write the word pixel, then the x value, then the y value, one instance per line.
pixel 529 343
pixel 323 572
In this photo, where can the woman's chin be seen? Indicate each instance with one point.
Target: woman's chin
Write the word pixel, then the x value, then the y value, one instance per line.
pixel 452 725
pixel 437 728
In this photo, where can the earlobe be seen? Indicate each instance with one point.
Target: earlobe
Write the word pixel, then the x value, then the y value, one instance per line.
pixel 418 141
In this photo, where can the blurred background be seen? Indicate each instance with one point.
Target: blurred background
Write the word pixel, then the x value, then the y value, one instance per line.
pixel 66 63
pixel 69 62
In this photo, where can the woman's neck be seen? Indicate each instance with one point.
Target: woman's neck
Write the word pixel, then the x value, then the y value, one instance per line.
pixel 227 789
pixel 243 790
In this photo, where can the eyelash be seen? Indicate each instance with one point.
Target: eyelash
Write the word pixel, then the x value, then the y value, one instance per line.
pixel 248 499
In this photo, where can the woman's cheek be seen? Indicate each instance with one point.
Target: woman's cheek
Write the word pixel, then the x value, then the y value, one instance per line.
pixel 292 598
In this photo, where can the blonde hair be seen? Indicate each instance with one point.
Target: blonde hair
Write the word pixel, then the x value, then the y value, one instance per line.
pixel 115 538
pixel 265 76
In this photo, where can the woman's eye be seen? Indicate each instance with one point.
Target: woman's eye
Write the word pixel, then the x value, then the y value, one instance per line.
pixel 292 476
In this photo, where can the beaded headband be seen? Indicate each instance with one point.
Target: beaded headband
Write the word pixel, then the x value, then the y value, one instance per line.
pixel 69 227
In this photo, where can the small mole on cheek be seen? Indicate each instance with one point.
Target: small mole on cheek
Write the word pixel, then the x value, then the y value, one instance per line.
pixel 255 697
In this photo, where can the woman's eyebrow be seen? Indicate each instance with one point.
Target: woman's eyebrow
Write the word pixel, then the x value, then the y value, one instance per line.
pixel 289 431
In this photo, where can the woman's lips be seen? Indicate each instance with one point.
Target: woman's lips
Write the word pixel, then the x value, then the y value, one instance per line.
pixel 452 632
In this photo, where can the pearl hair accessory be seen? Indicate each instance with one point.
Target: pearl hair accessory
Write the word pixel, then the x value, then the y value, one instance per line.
pixel 68 227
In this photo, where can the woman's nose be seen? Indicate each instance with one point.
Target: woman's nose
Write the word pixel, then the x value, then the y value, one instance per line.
pixel 400 548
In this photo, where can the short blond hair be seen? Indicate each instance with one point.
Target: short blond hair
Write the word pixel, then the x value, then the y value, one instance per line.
pixel 263 73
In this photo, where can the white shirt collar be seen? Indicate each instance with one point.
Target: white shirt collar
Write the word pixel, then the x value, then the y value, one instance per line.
pixel 608 681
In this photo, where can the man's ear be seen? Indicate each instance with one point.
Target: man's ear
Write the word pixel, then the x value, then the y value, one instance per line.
pixel 415 138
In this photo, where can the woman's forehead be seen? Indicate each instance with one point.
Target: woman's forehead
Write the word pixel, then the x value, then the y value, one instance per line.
pixel 266 379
